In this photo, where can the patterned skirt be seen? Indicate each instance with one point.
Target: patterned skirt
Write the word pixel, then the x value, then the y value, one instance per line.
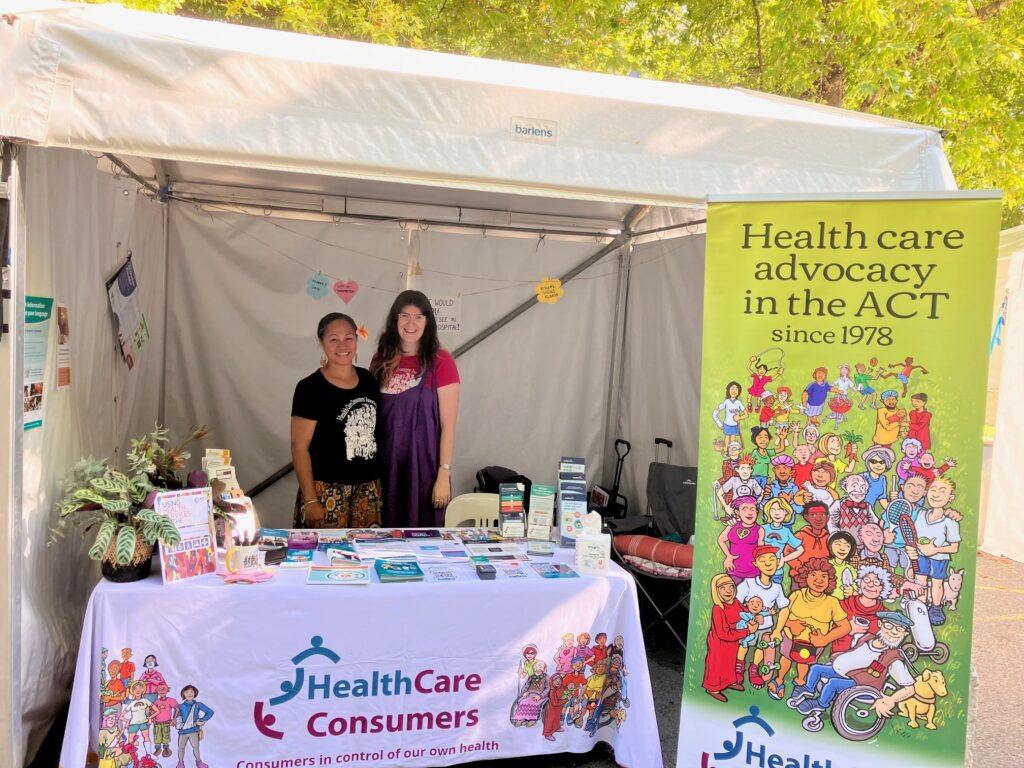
pixel 345 506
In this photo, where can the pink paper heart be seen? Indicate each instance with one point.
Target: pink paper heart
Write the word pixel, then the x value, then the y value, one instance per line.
pixel 346 289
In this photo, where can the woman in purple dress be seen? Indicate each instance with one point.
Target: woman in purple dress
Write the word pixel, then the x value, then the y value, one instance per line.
pixel 419 385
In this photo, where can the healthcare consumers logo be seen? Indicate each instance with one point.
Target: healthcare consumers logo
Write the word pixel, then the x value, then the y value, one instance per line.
pixel 531 129
pixel 327 690
pixel 753 748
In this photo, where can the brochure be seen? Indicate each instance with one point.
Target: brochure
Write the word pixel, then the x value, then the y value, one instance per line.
pixel 341 552
pixel 572 498
pixel 398 569
pixel 496 550
pixel 302 539
pixel 191 510
pixel 511 571
pixel 444 572
pixel 374 549
pixel 442 551
pixel 540 548
pixel 472 534
pixel 375 534
pixel 338 575
pixel 422 533
pixel 298 558
pixel 554 571
pixel 542 512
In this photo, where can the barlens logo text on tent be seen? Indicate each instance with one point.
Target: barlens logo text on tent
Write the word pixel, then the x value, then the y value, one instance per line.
pixel 531 129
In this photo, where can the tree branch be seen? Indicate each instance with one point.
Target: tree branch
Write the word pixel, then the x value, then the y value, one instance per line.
pixel 988 11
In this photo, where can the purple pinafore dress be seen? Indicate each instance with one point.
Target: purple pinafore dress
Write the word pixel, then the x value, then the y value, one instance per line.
pixel 412 429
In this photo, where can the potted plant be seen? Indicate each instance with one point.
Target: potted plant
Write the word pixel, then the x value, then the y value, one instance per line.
pixel 119 505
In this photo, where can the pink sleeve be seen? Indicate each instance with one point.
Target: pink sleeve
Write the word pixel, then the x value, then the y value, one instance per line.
pixel 447 371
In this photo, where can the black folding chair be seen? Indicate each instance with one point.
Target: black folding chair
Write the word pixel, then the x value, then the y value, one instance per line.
pixel 671 508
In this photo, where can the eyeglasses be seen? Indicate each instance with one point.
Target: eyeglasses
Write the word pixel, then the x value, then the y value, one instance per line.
pixel 405 317
pixel 890 625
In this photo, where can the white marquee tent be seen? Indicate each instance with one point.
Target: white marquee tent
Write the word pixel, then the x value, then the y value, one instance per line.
pixel 235 163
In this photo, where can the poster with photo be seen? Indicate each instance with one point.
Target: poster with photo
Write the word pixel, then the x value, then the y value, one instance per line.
pixel 129 320
pixel 37 339
pixel 63 347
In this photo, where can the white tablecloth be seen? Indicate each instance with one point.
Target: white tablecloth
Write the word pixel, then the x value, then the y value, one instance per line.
pixel 387 674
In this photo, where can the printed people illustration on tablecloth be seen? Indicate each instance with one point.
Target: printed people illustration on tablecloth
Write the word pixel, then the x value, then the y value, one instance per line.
pixel 589 693
pixel 137 719
pixel 837 560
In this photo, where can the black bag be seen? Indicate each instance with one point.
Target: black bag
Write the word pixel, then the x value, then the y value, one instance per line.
pixel 489 478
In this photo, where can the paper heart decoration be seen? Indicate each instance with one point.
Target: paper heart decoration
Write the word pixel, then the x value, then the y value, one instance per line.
pixel 346 289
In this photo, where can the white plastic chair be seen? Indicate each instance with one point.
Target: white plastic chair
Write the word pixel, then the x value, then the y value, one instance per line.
pixel 474 510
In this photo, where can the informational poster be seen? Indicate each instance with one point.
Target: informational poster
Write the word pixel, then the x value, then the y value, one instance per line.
pixel 842 402
pixel 63 347
pixel 129 321
pixel 191 510
pixel 448 313
pixel 37 338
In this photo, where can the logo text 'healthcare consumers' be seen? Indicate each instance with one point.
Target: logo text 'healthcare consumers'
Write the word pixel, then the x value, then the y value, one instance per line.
pixel 530 129
pixel 744 750
pixel 320 686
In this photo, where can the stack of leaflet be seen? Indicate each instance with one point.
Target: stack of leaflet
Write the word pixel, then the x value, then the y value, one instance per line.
pixel 572 498
pixel 510 510
pixel 301 546
pixel 540 520
pixel 398 569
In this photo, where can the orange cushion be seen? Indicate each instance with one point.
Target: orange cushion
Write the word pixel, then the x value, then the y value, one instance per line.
pixel 658 550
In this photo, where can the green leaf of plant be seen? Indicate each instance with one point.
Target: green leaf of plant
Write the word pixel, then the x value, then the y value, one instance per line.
pixel 116 505
pixel 103 538
pixel 124 550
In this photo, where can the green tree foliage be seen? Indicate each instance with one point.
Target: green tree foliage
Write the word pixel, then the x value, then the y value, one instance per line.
pixel 957 65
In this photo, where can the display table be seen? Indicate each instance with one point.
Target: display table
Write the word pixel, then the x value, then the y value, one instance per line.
pixel 387 674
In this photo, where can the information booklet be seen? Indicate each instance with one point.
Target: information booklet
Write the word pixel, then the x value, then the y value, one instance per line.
pixel 191 510
pixel 572 498
pixel 398 569
pixel 376 549
pixel 542 512
pixel 327 537
pixel 375 534
pixel 510 510
pixel 511 571
pixel 554 571
pixel 344 575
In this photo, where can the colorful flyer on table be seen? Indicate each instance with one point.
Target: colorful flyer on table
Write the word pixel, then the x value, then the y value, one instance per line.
pixel 843 384
pixel 191 510
pixel 542 512
pixel 63 347
pixel 37 338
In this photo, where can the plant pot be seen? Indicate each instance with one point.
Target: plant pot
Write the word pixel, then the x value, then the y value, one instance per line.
pixel 122 574
pixel 137 569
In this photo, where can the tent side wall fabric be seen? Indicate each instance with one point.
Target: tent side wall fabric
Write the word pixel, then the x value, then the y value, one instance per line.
pixel 80 224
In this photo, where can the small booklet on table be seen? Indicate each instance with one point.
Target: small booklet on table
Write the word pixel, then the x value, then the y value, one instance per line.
pixel 398 569
pixel 345 575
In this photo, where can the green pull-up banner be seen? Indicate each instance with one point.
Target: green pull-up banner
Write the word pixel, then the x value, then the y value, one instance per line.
pixel 842 405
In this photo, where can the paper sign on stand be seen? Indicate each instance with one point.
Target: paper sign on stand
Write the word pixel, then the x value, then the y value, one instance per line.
pixel 192 511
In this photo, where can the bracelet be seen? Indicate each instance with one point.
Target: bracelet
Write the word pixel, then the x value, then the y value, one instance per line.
pixel 447 467
pixel 307 503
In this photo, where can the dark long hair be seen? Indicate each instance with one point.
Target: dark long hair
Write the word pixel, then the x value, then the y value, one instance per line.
pixel 389 345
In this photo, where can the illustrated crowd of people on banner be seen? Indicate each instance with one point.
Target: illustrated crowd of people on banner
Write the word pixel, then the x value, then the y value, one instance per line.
pixel 139 709
pixel 838 540
pixel 586 687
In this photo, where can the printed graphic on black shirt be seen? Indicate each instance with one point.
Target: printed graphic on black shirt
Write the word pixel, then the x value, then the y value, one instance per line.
pixel 359 418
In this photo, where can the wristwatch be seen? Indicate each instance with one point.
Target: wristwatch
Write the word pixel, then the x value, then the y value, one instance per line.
pixel 446 466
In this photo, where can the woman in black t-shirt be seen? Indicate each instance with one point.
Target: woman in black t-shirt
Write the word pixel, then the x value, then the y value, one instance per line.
pixel 334 442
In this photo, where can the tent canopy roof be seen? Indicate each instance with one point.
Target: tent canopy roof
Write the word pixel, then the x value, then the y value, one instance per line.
pixel 103 78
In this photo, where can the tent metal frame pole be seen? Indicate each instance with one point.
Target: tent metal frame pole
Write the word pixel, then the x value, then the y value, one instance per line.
pixel 635 215
pixel 11 578
pixel 616 361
